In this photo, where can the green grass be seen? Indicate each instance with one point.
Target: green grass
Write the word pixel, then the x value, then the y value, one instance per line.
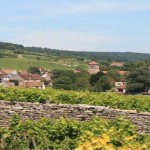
pixel 47 61
pixel 21 64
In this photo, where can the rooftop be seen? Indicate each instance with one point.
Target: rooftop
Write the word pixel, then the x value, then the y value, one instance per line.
pixel 34 84
pixel 93 63
pixel 31 76
pixel 122 87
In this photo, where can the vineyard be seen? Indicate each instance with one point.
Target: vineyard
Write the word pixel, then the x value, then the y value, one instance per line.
pixel 65 134
pixel 140 103
pixel 46 134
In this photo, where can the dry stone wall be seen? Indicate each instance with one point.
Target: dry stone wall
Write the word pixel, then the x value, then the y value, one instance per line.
pixel 80 112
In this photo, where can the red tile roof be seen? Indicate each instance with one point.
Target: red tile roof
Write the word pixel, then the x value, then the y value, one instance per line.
pixel 8 71
pixel 34 84
pixel 122 87
pixel 93 63
pixel 31 77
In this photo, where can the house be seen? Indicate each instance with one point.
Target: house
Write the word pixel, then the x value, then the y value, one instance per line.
pixel 13 78
pixel 7 84
pixel 37 85
pixel 119 83
pixel 93 67
pixel 5 77
pixel 48 78
pixel 33 81
pixel 118 64
pixel 121 89
pixel 31 77
pixel 16 79
pixel 8 71
pixel 2 76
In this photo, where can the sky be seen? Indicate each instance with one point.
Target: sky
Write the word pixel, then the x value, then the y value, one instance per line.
pixel 79 25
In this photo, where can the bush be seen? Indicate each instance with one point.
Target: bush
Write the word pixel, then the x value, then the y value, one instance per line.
pixel 70 134
pixel 114 100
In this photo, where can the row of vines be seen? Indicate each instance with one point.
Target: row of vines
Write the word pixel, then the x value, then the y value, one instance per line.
pixel 63 134
pixel 114 100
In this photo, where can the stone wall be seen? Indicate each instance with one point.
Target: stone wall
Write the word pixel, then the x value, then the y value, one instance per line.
pixel 80 112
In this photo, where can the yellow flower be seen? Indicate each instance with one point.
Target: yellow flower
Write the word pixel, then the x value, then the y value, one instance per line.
pixel 129 138
pixel 85 146
pixel 106 138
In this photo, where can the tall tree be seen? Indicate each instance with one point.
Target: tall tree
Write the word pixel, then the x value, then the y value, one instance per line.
pixel 95 77
pixel 138 81
pixel 66 80
pixel 102 85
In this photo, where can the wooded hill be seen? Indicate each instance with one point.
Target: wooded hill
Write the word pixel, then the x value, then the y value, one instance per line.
pixel 112 56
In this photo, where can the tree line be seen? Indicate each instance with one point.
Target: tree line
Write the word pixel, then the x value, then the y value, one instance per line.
pixel 109 56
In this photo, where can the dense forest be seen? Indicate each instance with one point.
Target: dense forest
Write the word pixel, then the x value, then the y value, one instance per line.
pixel 113 56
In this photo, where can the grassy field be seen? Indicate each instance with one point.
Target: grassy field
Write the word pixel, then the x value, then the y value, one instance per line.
pixel 21 64
pixel 48 61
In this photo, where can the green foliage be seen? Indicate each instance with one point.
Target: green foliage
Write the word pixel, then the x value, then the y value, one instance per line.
pixel 118 134
pixel 82 83
pixel 56 73
pixel 63 82
pixel 130 66
pixel 82 80
pixel 99 82
pixel 95 77
pixel 80 58
pixel 23 95
pixel 138 81
pixel 102 85
pixel 113 56
pixel 57 59
pixel 34 70
pixel 68 134
pixel 135 88
pixel 11 46
pixel 68 80
pixel 113 73
pixel 114 100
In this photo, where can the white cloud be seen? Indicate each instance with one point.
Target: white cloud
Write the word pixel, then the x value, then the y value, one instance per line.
pixel 41 11
pixel 63 39
pixel 74 40
pixel 94 6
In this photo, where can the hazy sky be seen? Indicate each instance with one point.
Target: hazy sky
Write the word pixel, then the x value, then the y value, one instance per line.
pixel 91 25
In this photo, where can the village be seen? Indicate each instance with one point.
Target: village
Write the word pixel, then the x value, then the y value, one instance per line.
pixel 12 78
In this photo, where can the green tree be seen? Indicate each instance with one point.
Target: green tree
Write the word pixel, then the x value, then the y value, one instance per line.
pixel 56 73
pixel 34 70
pixel 82 83
pixel 138 81
pixel 102 85
pixel 95 77
pixel 63 82
pixel 82 80
pixel 113 73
